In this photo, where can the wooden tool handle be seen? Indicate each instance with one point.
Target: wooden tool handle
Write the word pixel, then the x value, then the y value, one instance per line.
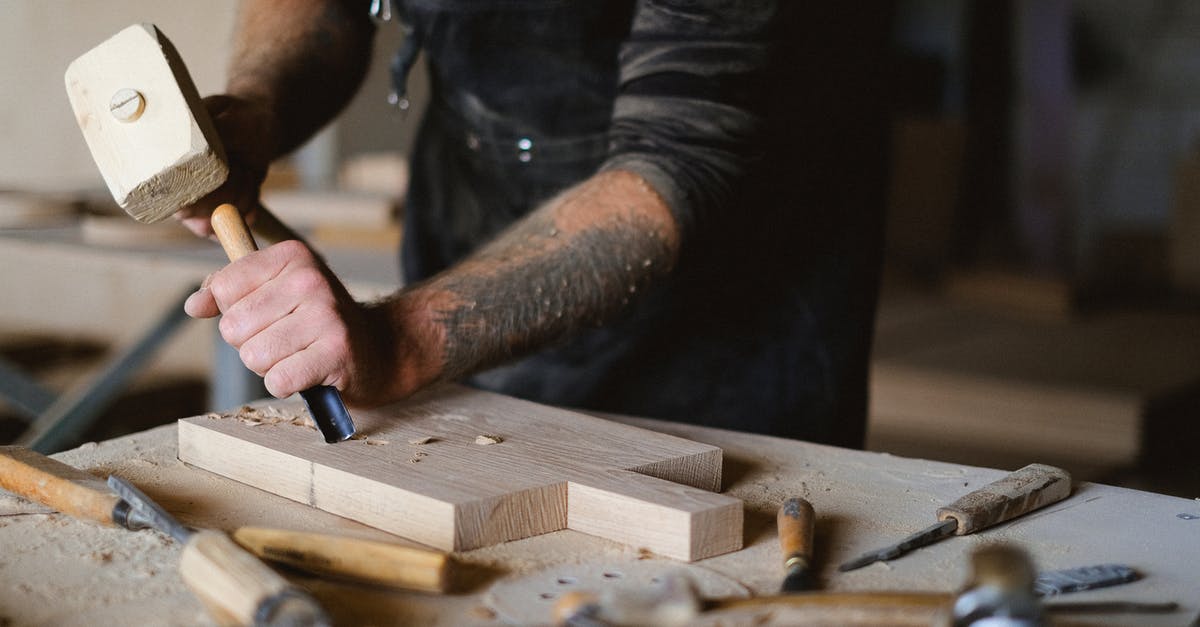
pixel 224 575
pixel 363 561
pixel 1020 492
pixel 232 232
pixel 50 482
pixel 795 522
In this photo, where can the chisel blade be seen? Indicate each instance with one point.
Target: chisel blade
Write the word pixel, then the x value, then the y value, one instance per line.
pixel 926 536
pixel 153 513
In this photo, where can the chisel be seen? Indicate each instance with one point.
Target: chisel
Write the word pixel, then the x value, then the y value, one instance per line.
pixel 80 494
pixel 1019 492
pixel 223 574
pixel 324 402
pixel 795 524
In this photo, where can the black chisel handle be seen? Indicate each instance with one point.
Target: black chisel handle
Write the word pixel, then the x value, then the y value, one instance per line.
pixel 329 412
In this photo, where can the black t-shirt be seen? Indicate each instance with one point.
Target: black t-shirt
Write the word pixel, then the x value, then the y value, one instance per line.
pixel 761 124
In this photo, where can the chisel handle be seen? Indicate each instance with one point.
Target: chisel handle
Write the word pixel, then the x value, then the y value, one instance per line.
pixel 225 576
pixel 1019 492
pixel 324 402
pixel 30 474
pixel 795 522
pixel 352 559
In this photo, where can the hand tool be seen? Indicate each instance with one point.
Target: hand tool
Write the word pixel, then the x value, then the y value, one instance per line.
pixel 1019 492
pixel 223 574
pixel 795 523
pixel 999 588
pixel 324 403
pixel 67 489
pixel 1056 582
pixel 158 150
pixel 361 561
pixel 45 480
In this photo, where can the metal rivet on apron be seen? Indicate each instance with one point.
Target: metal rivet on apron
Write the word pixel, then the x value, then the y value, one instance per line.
pixel 473 141
pixel 524 144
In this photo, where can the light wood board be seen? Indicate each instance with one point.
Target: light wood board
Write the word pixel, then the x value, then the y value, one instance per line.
pixel 552 469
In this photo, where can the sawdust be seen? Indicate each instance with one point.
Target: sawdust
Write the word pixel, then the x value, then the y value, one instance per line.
pixel 423 440
pixel 488 439
pixel 256 416
pixel 368 440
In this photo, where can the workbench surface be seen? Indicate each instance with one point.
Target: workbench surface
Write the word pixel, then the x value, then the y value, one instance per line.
pixel 57 570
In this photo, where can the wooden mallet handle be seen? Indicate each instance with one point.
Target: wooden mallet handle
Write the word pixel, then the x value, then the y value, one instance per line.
pixel 232 232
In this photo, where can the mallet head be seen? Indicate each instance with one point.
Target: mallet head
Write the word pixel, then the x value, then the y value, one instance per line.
pixel 143 120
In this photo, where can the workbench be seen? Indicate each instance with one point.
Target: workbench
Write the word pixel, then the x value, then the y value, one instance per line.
pixel 57 570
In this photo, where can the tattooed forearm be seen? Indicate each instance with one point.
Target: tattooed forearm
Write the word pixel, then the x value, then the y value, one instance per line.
pixel 571 264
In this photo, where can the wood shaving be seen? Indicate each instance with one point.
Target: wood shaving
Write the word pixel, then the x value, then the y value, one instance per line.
pixel 423 440
pixel 267 415
pixel 365 439
pixel 486 439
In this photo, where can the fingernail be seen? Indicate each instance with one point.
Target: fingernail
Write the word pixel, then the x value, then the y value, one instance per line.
pixel 205 282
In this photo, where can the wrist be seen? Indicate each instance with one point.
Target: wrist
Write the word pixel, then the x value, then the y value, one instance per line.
pixel 413 339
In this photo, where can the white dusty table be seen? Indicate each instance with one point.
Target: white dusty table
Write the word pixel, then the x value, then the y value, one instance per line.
pixel 56 570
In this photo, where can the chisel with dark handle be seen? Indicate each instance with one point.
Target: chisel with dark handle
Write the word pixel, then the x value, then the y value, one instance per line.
pixel 1017 493
pixel 324 402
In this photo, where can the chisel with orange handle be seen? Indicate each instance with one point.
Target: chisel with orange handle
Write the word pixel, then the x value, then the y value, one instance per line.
pixel 237 587
pixel 795 522
pixel 80 494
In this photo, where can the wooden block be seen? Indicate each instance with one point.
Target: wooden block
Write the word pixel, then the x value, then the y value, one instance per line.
pixel 454 493
pixel 646 511
pixel 134 102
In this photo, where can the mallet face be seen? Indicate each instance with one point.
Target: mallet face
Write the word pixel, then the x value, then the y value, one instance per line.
pixel 143 121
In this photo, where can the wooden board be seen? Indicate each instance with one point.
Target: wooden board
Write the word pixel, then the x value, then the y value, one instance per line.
pixel 552 469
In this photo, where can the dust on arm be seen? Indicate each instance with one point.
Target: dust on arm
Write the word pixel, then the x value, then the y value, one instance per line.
pixel 571 264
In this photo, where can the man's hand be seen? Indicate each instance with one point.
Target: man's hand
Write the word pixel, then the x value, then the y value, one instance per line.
pixel 244 127
pixel 294 324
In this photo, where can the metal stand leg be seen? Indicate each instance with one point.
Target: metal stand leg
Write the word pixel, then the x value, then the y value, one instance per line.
pixel 232 384
pixel 71 414
pixel 27 396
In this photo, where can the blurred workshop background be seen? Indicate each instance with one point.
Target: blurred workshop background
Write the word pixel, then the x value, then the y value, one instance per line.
pixel 1042 290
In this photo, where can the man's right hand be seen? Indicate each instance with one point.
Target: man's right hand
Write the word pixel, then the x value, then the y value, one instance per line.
pixel 245 129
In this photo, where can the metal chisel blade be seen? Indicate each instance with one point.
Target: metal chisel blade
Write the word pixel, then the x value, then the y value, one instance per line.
pixel 149 511
pixel 929 535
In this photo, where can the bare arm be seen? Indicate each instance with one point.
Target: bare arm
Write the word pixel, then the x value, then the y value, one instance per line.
pixel 302 60
pixel 570 264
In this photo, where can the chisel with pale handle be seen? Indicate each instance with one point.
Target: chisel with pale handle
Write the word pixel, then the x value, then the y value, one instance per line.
pixel 1017 493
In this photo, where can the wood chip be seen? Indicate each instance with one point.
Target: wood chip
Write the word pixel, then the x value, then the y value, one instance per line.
pixel 484 440
pixel 377 442
pixel 423 440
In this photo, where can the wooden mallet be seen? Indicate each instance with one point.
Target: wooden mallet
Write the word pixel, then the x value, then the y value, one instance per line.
pixel 158 151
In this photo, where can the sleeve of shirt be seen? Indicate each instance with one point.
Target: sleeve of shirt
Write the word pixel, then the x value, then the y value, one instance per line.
pixel 685 117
